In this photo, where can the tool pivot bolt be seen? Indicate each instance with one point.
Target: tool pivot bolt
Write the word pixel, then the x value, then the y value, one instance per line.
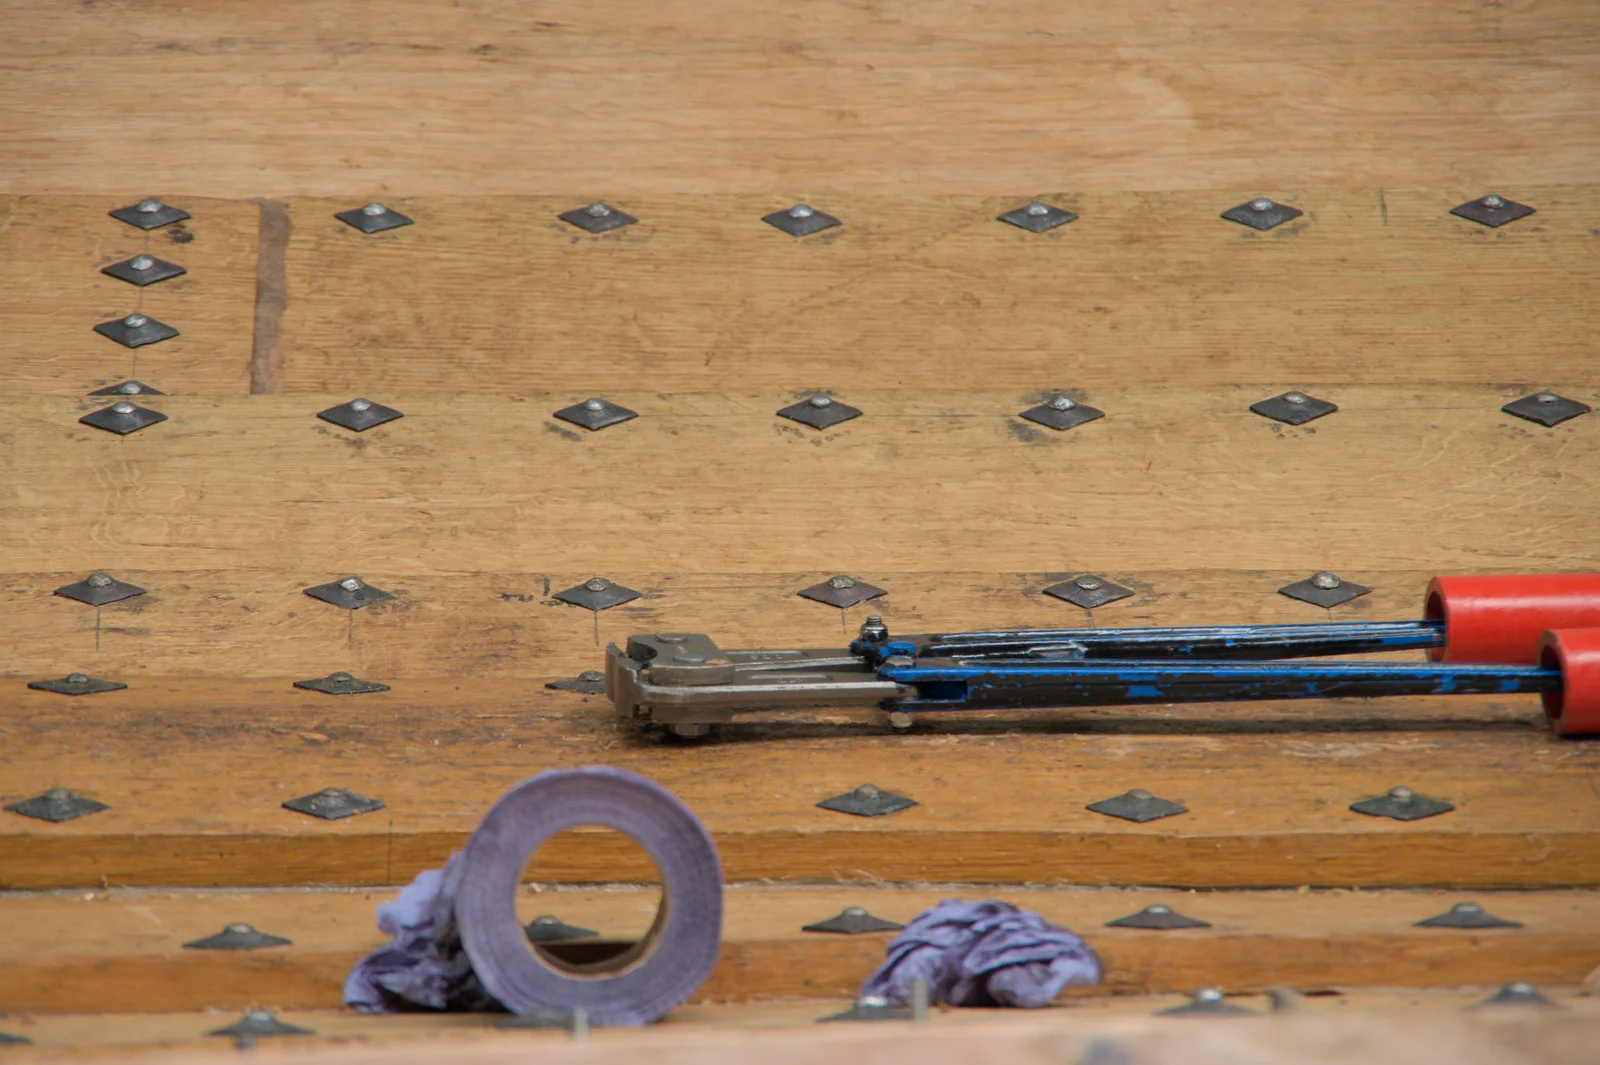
pixel 873 630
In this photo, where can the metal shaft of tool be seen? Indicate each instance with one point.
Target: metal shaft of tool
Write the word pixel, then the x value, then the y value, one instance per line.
pixel 1202 641
pixel 938 686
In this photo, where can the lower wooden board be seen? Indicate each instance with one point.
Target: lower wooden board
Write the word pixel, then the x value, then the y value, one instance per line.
pixel 123 950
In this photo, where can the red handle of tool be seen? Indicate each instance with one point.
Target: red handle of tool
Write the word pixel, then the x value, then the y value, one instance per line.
pixel 1575 709
pixel 1499 619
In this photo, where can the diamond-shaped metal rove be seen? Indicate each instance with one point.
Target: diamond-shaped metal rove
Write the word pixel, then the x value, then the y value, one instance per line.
pixel 351 593
pixel 1061 412
pixel 149 214
pixel 1491 210
pixel 1402 804
pixel 1088 591
pixel 1037 217
pixel 57 805
pixel 595 413
pixel 1324 589
pixel 1546 408
pixel 819 412
pixel 598 218
pixel 136 330
pixel 853 921
pixel 1137 805
pixel 128 388
pixel 359 414
pixel 1467 915
pixel 331 804
pixel 1262 213
pixel 99 589
pixel 867 800
pixel 76 684
pixel 841 591
pixel 143 270
pixel 548 928
pixel 123 418
pixel 589 682
pixel 597 593
pixel 801 220
pixel 1293 408
pixel 341 683
pixel 238 936
pixel 1516 993
pixel 373 218
pixel 1159 917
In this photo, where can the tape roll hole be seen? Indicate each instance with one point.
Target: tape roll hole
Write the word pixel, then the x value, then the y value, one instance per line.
pixel 626 912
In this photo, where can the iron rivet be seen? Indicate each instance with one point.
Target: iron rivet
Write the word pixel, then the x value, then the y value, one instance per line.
pixel 800 210
pixel 77 678
pixel 591 675
pixel 1089 584
pixel 1062 403
pixel 820 401
pixel 1158 908
pixel 142 262
pixel 373 209
pixel 98 580
pixel 1325 580
pixel 122 408
pixel 1261 205
pixel 341 675
pixel 57 794
pixel 1294 397
pixel 135 321
pixel 1520 987
pixel 1401 794
pixel 361 404
pixel 597 210
pixel 1208 994
pixel 597 584
pixel 841 582
pixel 868 791
pixel 148 206
pixel 1493 202
pixel 594 404
pixel 1546 397
pixel 350 584
pixel 240 929
pixel 1138 793
pixel 1037 209
pixel 1467 907
pixel 855 911
pixel 131 388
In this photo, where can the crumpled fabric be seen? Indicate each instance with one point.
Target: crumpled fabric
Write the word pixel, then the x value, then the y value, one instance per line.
pixel 983 954
pixel 424 967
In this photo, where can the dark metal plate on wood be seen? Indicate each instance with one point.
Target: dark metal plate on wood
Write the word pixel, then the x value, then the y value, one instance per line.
pixel 1262 213
pixel 331 804
pixel 1037 217
pixel 149 214
pixel 1492 211
pixel 595 413
pixel 341 683
pixel 8 1039
pixel 1158 917
pixel 1061 413
pixel 1293 408
pixel 819 412
pixel 1324 589
pixel 123 418
pixel 1207 1002
pixel 1088 591
pixel 853 921
pixel 144 270
pixel 136 330
pixel 597 593
pixel 841 591
pixel 868 800
pixel 1137 805
pixel 870 1009
pixel 352 593
pixel 99 589
pixel 76 684
pixel 259 1024
pixel 801 220
pixel 238 936
pixel 1402 804
pixel 1546 408
pixel 547 928
pixel 589 682
pixel 57 805
pixel 359 414
pixel 373 218
pixel 1516 993
pixel 598 218
pixel 128 388
pixel 1467 915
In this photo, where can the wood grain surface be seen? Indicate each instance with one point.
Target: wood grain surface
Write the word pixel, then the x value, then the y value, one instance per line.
pixel 123 951
pixel 330 97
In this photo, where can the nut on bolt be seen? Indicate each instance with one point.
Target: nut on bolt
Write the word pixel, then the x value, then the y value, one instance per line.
pixel 873 630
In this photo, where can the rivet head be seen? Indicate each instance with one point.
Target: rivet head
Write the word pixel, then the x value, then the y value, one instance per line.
pixel 855 911
pixel 239 928
pixel 1520 987
pixel 1208 994
pixel 1326 580
pixel 868 791
pixel 1062 403
pixel 340 675
pixel 77 678
pixel 361 404
pixel 820 401
pixel 597 584
pixel 328 793
pixel 351 584
pixel 259 1016
pixel 1158 908
pixel 57 795
pixel 1037 209
pixel 800 210
pixel 1138 793
pixel 98 580
pixel 1298 399
pixel 1261 205
pixel 129 388
pixel 122 408
pixel 1401 794
pixel 594 404
pixel 142 262
pixel 546 920
pixel 597 210
pixel 148 206
pixel 134 321
pixel 1546 397
pixel 1089 584
pixel 1492 201
pixel 373 209
pixel 1467 907
pixel 841 582
pixel 872 1001
pixel 591 675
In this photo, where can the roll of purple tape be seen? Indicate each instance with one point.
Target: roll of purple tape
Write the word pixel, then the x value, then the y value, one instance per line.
pixel 663 969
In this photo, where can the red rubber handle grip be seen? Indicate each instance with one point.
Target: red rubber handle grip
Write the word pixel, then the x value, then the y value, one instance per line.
pixel 1575 709
pixel 1499 619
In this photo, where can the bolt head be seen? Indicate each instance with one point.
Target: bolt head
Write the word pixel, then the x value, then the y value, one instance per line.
pixel 134 321
pixel 341 676
pixel 239 928
pixel 1088 583
pixel 1262 204
pixel 1158 908
pixel 1062 403
pixel 594 404
pixel 148 206
pixel 800 210
pixel 1138 793
pixel 1037 209
pixel 142 262
pixel 1208 994
pixel 1326 580
pixel 361 404
pixel 1493 202
pixel 1295 397
pixel 1402 794
pixel 820 401
pixel 98 580
pixel 77 678
pixel 373 209
pixel 130 388
pixel 841 582
pixel 597 584
pixel 597 210
pixel 351 584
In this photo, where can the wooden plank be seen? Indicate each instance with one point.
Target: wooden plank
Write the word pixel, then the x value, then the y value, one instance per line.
pixel 195 794
pixel 52 294
pixel 1382 286
pixel 328 97
pixel 1178 479
pixel 123 951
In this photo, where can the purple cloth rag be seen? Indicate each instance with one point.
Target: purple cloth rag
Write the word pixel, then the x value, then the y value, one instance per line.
pixel 983 954
pixel 425 966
